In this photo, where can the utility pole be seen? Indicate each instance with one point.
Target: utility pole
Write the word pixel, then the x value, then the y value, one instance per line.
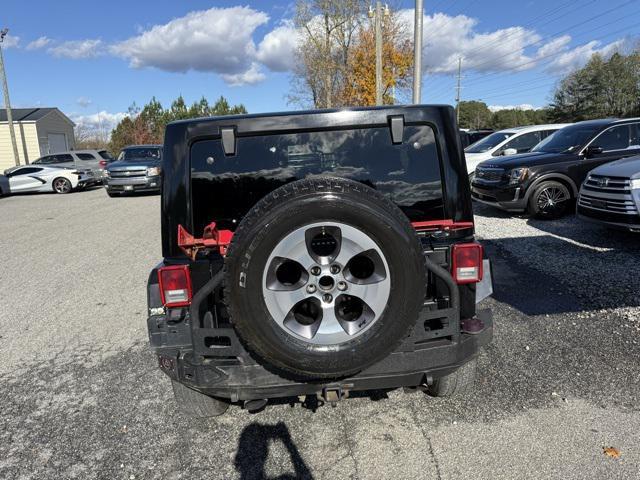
pixel 378 27
pixel 393 85
pixel 417 53
pixel 7 103
pixel 458 87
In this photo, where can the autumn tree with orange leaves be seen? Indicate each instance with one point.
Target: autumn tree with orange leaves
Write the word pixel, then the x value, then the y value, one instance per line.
pixel 397 65
pixel 336 55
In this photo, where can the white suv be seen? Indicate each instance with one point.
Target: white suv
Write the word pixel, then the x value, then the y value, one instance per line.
pixel 511 141
pixel 82 160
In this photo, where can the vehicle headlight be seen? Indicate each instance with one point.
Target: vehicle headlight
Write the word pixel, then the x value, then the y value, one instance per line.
pixel 106 173
pixel 517 175
pixel 635 184
pixel 153 171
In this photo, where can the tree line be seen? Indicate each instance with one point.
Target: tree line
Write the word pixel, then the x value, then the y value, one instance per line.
pixel 476 115
pixel 604 87
pixel 146 125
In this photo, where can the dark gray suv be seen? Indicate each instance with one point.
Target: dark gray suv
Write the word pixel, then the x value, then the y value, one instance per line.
pixel 138 169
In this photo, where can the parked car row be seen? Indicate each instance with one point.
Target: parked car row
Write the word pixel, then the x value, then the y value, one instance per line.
pixel 138 168
pixel 582 163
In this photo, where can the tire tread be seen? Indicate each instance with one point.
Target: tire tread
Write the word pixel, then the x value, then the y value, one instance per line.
pixel 317 184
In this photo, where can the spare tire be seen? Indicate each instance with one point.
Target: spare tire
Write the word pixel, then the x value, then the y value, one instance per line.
pixel 324 277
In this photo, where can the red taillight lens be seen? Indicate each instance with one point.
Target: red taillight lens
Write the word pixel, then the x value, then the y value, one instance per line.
pixel 103 163
pixel 175 285
pixel 466 263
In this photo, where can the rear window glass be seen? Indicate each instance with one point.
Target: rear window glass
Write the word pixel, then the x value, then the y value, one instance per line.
pixel 224 188
pixel 106 155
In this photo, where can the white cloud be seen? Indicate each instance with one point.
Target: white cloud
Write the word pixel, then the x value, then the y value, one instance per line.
pixel 218 40
pixel 101 122
pixel 448 38
pixel 38 43
pixel 10 41
pixel 277 49
pixel 554 46
pixel 522 106
pixel 579 56
pixel 84 102
pixel 76 49
pixel 250 77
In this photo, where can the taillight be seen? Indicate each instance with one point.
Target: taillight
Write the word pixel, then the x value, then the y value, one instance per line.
pixel 466 263
pixel 103 163
pixel 175 285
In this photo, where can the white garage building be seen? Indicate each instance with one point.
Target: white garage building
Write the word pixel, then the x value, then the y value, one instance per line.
pixel 39 131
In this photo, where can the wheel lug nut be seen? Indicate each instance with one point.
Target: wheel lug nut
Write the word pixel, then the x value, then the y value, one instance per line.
pixel 327 298
pixel 342 286
pixel 311 288
pixel 315 270
pixel 335 269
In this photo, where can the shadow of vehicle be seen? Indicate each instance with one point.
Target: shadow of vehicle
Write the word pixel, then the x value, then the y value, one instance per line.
pixel 589 233
pixel 550 274
pixel 493 212
pixel 253 451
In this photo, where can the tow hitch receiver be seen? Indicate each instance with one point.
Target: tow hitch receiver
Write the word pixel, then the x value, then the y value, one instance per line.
pixel 333 395
pixel 212 238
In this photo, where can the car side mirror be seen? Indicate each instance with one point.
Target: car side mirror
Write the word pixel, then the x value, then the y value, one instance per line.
pixel 593 150
pixel 509 151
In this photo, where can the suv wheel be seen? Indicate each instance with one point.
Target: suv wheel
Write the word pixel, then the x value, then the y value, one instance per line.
pixel 196 404
pixel 550 200
pixel 324 277
pixel 455 384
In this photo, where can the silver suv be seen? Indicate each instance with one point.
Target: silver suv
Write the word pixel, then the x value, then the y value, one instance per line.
pixel 611 195
pixel 85 161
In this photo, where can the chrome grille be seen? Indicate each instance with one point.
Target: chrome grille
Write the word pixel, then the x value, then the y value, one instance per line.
pixel 607 194
pixel 128 173
pixel 608 184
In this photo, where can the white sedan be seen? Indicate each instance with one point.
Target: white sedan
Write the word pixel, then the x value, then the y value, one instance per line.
pixel 32 178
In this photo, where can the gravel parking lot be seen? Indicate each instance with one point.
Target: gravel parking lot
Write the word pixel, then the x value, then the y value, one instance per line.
pixel 82 398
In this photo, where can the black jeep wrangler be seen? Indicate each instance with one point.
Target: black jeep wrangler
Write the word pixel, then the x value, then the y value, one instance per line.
pixel 312 254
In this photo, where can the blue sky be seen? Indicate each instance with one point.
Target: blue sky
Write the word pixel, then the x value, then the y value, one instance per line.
pixel 88 57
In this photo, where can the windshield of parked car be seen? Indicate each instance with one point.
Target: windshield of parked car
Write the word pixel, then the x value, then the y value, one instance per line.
pixel 142 153
pixel 567 140
pixel 487 143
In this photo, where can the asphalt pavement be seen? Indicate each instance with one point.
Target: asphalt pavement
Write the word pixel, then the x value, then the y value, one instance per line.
pixel 81 396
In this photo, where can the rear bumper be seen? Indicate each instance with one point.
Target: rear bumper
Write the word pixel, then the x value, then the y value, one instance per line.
pixel 239 377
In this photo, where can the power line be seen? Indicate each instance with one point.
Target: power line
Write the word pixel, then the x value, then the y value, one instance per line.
pixel 533 21
pixel 564 30
pixel 550 55
pixel 550 59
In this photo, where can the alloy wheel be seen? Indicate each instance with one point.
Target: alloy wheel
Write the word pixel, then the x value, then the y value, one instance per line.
pixel 551 200
pixel 326 283
pixel 61 185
